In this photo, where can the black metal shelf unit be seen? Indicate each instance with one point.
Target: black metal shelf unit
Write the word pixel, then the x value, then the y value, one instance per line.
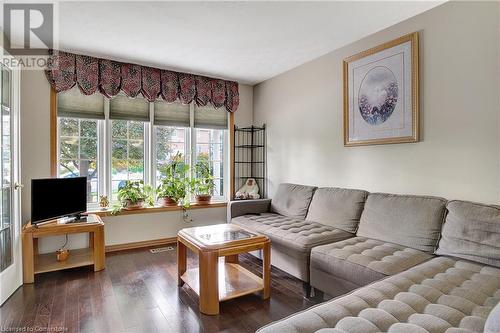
pixel 250 157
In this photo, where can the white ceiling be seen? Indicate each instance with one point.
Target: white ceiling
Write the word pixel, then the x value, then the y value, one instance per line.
pixel 244 41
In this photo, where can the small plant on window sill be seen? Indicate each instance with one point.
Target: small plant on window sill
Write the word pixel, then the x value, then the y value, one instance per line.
pixel 134 195
pixel 203 184
pixel 174 185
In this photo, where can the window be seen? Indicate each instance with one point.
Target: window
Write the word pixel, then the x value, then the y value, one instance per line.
pixel 210 148
pixel 78 142
pixel 112 141
pixel 127 153
pixel 170 141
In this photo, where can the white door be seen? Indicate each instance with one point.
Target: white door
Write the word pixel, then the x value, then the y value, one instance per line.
pixel 10 226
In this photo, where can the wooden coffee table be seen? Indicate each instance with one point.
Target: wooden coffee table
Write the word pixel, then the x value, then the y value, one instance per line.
pixel 215 282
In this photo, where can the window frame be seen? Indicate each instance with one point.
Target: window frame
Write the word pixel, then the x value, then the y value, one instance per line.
pixel 105 144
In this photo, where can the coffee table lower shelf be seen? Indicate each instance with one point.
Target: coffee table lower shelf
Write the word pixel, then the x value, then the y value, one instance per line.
pixel 234 281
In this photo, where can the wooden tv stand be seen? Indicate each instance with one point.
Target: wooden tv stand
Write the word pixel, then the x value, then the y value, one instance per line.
pixel 34 263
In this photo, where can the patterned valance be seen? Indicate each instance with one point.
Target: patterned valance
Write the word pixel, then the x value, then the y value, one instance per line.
pixel 109 77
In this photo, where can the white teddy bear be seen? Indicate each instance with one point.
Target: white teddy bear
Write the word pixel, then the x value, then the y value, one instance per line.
pixel 248 191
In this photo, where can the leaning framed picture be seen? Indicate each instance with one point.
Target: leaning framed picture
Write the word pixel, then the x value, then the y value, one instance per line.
pixel 381 94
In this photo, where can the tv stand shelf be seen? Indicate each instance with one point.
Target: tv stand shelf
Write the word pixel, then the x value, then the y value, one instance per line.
pixel 48 262
pixel 34 263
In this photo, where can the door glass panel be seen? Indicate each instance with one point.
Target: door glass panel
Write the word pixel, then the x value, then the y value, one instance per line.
pixel 5 248
pixel 6 87
pixel 6 227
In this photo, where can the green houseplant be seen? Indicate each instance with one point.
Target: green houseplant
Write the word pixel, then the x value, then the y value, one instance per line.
pixel 135 194
pixel 174 185
pixel 202 184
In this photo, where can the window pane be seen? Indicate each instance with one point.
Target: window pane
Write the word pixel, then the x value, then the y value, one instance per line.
pixel 88 128
pixel 6 206
pixel 5 248
pixel 78 152
pixel 88 148
pixel 127 151
pixel 119 169
pixel 119 129
pixel 6 148
pixel 68 126
pixel 69 147
pixel 135 169
pixel 6 173
pixel 210 147
pixel 136 149
pixel 169 142
pixel 119 149
pixel 6 87
pixel 136 130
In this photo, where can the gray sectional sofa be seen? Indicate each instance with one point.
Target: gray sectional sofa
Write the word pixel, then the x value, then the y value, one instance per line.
pixel 405 263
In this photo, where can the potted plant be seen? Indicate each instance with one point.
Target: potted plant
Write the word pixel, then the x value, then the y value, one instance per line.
pixel 134 195
pixel 202 184
pixel 174 184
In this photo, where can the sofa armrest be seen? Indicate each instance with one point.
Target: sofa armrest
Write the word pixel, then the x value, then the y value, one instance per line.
pixel 243 207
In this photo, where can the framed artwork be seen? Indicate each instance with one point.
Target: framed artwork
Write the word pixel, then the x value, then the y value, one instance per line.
pixel 381 95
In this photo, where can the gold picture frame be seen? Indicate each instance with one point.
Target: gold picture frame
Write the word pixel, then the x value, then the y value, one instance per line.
pixel 373 124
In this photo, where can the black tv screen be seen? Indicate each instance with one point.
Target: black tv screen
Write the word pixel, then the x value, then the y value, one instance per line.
pixel 57 197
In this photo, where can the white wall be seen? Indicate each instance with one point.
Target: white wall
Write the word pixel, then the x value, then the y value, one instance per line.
pixel 35 163
pixel 459 154
pixel 244 115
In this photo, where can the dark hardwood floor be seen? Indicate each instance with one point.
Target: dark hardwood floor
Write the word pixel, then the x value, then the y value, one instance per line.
pixel 137 292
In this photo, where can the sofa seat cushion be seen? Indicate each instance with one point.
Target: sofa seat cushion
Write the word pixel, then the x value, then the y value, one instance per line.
pixel 295 234
pixel 441 295
pixel 362 260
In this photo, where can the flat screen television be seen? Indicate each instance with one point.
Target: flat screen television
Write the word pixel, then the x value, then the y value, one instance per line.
pixel 53 198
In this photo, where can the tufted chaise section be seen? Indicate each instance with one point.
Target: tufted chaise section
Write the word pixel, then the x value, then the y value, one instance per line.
pixel 441 295
pixel 359 261
pixel 292 237
pixel 299 235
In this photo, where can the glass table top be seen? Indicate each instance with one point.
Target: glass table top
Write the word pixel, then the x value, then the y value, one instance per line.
pixel 219 233
pixel 225 236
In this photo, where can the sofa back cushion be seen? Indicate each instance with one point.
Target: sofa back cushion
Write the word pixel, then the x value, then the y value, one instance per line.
pixel 471 231
pixel 292 200
pixel 409 220
pixel 337 207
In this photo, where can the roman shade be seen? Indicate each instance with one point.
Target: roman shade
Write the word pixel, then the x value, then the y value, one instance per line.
pixel 72 103
pixel 122 107
pixel 209 117
pixel 171 114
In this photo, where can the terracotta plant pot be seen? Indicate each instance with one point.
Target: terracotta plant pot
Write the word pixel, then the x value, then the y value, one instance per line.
pixel 129 205
pixel 203 198
pixel 167 202
pixel 62 254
